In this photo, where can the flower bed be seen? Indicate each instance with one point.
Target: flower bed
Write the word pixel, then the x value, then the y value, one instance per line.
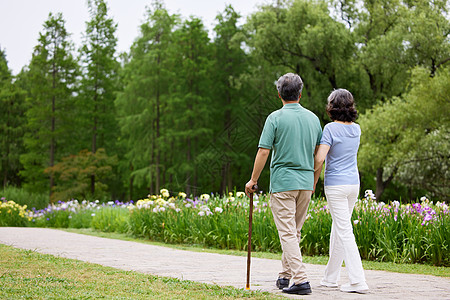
pixel 416 233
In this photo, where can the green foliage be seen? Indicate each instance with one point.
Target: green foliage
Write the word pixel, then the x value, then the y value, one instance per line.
pixel 413 136
pixel 12 125
pixel 74 175
pixel 303 38
pixel 110 219
pixel 184 108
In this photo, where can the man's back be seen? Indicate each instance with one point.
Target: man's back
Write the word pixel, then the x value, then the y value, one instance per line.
pixel 292 132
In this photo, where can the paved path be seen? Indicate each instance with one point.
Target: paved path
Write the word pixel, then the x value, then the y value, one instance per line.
pixel 213 268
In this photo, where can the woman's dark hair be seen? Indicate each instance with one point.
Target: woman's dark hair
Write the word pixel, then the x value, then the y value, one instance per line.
pixel 341 106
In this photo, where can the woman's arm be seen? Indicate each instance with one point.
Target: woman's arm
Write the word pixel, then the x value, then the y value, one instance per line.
pixel 319 158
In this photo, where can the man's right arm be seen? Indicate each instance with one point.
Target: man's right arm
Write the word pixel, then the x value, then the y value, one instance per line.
pixel 260 162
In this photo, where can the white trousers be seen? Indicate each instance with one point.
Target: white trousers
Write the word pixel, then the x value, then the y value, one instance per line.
pixel 341 200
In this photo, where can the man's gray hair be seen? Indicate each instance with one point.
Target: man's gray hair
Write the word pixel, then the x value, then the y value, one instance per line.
pixel 290 87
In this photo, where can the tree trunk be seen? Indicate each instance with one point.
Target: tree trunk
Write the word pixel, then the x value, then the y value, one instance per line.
pixel 188 160
pixel 94 137
pixel 130 196
pixel 53 127
pixel 381 185
pixel 157 161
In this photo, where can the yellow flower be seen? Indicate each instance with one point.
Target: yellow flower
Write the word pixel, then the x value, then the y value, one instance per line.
pixel 204 197
pixel 165 193
pixel 240 194
pixel 160 202
pixel 182 195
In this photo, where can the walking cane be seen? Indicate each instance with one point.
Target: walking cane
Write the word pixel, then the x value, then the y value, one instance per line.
pixel 249 247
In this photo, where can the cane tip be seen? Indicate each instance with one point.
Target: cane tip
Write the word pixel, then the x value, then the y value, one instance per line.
pixel 247 287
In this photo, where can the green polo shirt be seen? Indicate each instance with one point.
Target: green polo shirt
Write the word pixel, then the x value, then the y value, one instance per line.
pixel 292 133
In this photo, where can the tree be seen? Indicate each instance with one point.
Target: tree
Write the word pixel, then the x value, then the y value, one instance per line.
pixel 99 82
pixel 12 123
pixel 427 28
pixel 406 139
pixel 301 37
pixel 230 59
pixel 191 95
pixel 74 175
pixel 143 102
pixel 51 79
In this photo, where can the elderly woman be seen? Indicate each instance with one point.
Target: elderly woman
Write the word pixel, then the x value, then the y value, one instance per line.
pixel 339 145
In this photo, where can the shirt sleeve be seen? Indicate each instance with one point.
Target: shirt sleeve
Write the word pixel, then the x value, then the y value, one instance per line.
pixel 326 139
pixel 268 134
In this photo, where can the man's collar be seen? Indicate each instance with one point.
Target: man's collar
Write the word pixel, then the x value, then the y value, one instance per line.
pixel 292 105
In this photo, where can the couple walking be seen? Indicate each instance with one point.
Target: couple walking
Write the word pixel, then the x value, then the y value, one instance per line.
pixel 299 149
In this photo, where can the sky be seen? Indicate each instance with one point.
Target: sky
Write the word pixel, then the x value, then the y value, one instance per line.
pixel 22 20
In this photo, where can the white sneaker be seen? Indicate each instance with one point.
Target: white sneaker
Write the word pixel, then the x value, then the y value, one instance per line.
pixel 328 284
pixel 360 288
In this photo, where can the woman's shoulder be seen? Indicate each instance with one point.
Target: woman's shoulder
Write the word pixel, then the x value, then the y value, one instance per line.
pixel 341 129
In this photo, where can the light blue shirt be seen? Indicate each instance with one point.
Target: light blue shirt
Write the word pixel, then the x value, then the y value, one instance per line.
pixel 341 166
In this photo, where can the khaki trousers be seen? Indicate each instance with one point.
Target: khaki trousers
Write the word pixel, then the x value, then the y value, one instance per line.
pixel 289 213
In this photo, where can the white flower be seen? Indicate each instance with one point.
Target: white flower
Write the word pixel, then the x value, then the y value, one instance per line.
pixel 204 197
pixel 355 222
pixel 188 205
pixel 177 209
pixel 92 215
pixel 396 203
pixel 162 209
pixel 110 202
pixel 369 194
pixel 201 213
pixel 218 209
pixel 172 205
pixel 240 194
pixel 155 210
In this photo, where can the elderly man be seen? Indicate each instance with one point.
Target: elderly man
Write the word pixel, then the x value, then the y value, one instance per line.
pixel 293 133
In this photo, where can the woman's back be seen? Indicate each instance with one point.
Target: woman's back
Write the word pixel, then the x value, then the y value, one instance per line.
pixel 341 160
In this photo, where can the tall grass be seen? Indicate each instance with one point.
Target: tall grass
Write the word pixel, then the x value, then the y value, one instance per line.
pixel 23 197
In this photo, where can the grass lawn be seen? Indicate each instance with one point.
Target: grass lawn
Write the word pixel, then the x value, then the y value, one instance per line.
pixel 321 260
pixel 26 274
